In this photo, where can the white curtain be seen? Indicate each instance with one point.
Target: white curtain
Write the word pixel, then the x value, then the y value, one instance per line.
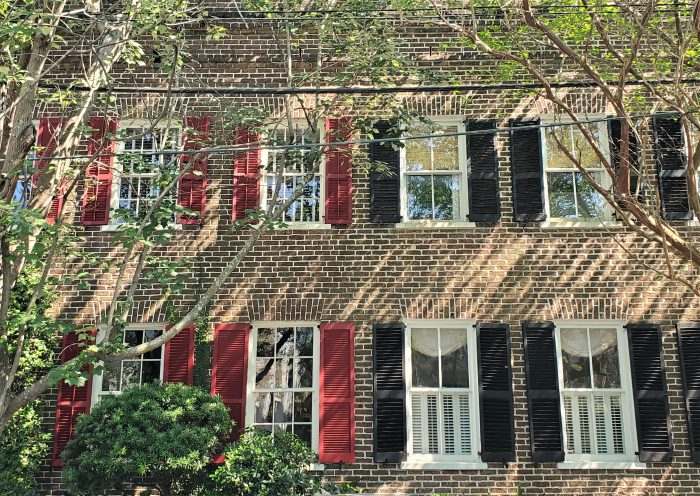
pixel 425 341
pixel 575 341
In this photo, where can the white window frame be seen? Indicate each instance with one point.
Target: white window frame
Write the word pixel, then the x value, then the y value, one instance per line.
pixel 264 159
pixel 101 335
pixel 551 121
pixel 251 391
pixel 457 121
pixel 444 462
pixel 117 173
pixel 629 427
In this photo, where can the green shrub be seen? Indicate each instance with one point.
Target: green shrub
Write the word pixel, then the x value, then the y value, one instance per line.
pixel 166 433
pixel 259 464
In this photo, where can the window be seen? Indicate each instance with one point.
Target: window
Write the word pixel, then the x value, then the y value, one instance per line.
pixel 569 194
pixel 285 378
pixel 135 371
pixel 143 170
pixel 442 404
pixel 296 164
pixel 434 173
pixel 596 392
pixel 25 182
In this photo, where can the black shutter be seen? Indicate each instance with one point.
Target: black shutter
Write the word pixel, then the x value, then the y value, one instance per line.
pixel 615 136
pixel 384 185
pixel 671 165
pixel 650 399
pixel 544 403
pixel 526 168
pixel 482 170
pixel 495 393
pixel 689 350
pixel 389 394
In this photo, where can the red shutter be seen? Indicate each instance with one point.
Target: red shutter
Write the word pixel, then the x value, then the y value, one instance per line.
pixel 192 190
pixel 246 175
pixel 178 360
pixel 339 172
pixel 46 141
pixel 337 399
pixel 71 402
pixel 98 175
pixel 229 374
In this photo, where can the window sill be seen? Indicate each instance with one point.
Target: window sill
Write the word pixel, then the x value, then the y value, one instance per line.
pixel 115 227
pixel 435 224
pixel 306 226
pixel 444 465
pixel 317 467
pixel 602 465
pixel 579 224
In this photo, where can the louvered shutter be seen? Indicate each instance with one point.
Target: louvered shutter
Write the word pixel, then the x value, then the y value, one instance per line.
pixel 192 190
pixel 336 442
pixel 527 171
pixel 246 174
pixel 495 393
pixel 384 185
pixel 671 166
pixel 46 141
pixel 339 172
pixel 689 351
pixel 71 401
pixel 615 137
pixel 178 360
pixel 544 404
pixel 650 397
pixel 389 394
pixel 482 169
pixel 230 371
pixel 99 173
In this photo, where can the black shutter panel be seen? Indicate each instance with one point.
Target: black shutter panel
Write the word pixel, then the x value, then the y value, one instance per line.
pixel 689 350
pixel 495 393
pixel 389 394
pixel 526 168
pixel 671 165
pixel 615 136
pixel 384 185
pixel 544 403
pixel 482 170
pixel 650 399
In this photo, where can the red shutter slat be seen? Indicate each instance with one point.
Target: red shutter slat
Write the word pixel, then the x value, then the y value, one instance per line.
pixel 246 175
pixel 339 172
pixel 98 175
pixel 229 374
pixel 47 140
pixel 192 190
pixel 70 402
pixel 178 359
pixel 337 394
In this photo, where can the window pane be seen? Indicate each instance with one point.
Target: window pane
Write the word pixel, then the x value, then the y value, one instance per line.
pixel 151 371
pixel 561 194
pixel 133 338
pixel 131 373
pixel 110 376
pixel 302 407
pixel 150 335
pixel 455 359
pixel 283 407
pixel 305 342
pixel 575 358
pixel 284 373
pixel 445 150
pixel 303 432
pixel 424 357
pixel 303 376
pixel 418 150
pixel 446 197
pixel 265 373
pixel 606 369
pixel 556 158
pixel 263 407
pixel 582 147
pixel 590 203
pixel 266 343
pixel 285 342
pixel 420 201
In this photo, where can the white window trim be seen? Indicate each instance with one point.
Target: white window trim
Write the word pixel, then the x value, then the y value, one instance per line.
pixel 250 387
pixel 264 159
pixel 407 223
pixel 629 459
pixel 444 462
pixel 562 222
pixel 101 335
pixel 117 171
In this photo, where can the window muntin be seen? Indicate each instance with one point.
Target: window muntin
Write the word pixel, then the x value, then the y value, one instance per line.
pixel 433 169
pixel 595 394
pixel 143 170
pixel 569 194
pixel 285 381
pixel 442 406
pixel 297 163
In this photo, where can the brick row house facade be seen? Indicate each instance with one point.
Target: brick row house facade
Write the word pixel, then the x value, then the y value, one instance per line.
pixel 474 321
